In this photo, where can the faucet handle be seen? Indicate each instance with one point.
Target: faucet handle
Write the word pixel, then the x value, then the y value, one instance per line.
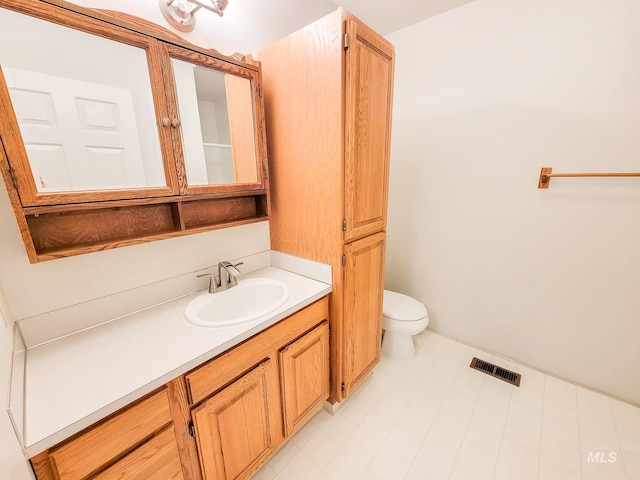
pixel 233 281
pixel 238 264
pixel 214 283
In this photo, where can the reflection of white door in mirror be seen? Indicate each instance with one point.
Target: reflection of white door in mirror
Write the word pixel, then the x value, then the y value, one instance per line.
pixel 78 135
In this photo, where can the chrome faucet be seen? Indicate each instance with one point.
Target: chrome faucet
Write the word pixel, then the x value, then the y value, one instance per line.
pixel 225 278
pixel 227 274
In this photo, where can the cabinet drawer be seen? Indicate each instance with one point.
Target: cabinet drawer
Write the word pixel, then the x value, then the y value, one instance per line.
pixel 89 451
pixel 218 372
pixel 157 459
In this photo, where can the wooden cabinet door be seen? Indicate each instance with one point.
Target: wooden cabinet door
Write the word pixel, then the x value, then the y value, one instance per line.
pixel 363 288
pixel 369 92
pixel 218 110
pixel 304 376
pixel 234 427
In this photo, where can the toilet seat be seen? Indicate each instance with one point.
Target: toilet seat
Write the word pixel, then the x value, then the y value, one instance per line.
pixel 397 306
pixel 412 327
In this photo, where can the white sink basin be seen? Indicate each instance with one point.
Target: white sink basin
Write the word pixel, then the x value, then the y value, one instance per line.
pixel 249 300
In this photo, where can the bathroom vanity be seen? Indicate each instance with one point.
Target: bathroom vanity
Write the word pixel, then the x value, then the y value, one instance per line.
pixel 226 416
pixel 152 396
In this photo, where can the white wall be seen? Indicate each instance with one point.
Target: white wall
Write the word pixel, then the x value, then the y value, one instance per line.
pixel 486 95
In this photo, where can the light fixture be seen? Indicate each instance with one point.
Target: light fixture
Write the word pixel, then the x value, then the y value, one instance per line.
pixel 181 13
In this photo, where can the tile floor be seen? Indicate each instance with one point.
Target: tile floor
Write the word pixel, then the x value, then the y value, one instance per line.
pixel 413 421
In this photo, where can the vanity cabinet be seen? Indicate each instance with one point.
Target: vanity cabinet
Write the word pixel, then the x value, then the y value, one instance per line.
pixel 221 420
pixel 248 400
pixel 120 132
pixel 328 92
pixel 304 375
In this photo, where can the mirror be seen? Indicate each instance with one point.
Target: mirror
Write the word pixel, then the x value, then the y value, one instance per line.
pixel 84 107
pixel 218 127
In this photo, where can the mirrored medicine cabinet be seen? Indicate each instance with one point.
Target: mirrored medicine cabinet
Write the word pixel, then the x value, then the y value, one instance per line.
pixel 115 131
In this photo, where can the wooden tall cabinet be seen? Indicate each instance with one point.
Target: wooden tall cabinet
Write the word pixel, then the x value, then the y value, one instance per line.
pixel 328 92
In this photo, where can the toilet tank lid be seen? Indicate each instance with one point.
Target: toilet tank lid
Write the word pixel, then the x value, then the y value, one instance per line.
pixel 402 307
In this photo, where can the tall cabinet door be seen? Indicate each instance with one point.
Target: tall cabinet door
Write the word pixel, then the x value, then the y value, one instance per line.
pixel 234 427
pixel 363 288
pixel 368 102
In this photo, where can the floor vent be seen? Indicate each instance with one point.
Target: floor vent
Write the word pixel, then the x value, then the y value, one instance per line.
pixel 495 371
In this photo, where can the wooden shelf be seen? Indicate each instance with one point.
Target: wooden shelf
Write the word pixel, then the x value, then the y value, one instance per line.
pixel 66 230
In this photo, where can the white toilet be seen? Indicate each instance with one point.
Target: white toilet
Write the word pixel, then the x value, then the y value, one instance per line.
pixel 402 318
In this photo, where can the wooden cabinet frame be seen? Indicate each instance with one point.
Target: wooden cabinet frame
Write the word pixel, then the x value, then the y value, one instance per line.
pixel 61 224
pixel 172 51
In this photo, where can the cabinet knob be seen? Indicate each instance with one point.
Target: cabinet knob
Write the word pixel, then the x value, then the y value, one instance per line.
pixel 176 122
pixel 166 121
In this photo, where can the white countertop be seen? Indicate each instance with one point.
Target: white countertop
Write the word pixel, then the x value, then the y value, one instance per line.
pixel 76 380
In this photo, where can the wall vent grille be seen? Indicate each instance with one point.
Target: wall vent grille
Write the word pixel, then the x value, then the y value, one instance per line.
pixel 495 371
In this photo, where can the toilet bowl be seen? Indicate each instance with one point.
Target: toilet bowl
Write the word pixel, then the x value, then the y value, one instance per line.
pixel 402 318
